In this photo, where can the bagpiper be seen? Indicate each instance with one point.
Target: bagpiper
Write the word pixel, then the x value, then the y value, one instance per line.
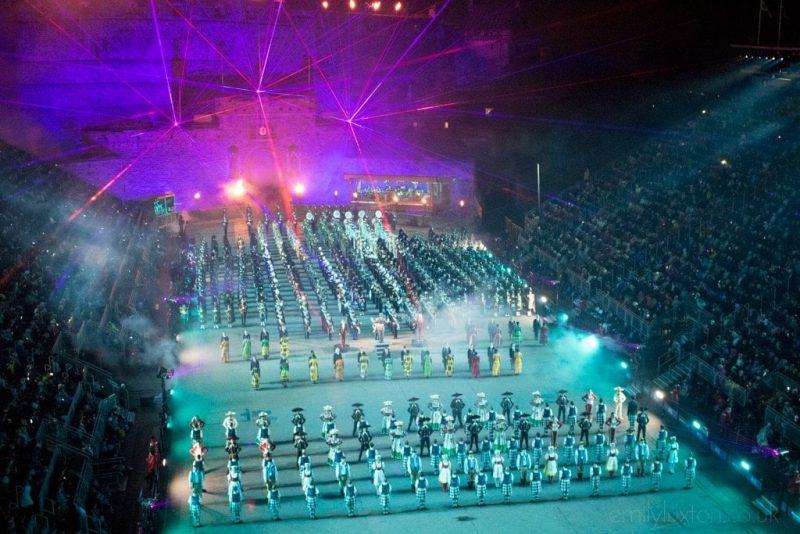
pixel 564 479
pixel 594 477
pixel 269 472
pixel 672 458
pixel 655 475
pixel 513 452
pixel 372 454
pixel 507 485
pixel 235 497
pixel 384 494
pixel 690 471
pixel 350 493
pixel 455 489
pixel 421 490
pixel 627 472
pixel 537 454
pixel 407 450
pixel 461 455
pixel 569 449
pixel 581 458
pixel 572 416
pixel 480 487
pixel 436 456
pixel 599 445
pixel 194 508
pixel 312 493
pixel 486 454
pixel 414 467
pixel 471 469
pixel 536 483
pixel 274 502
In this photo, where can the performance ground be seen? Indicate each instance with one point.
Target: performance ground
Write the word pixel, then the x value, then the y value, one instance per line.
pixel 206 387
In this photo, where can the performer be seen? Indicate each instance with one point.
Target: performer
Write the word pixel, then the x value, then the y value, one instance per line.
pixel 303 461
pixel 312 493
pixel 457 409
pixel 306 477
pixel 407 451
pixel 397 434
pixel 334 442
pixel 230 424
pixel 500 427
pixel 630 444
pixel 537 454
pixel 516 419
pixel 543 334
pixel 513 452
pixel 378 473
pixel 327 417
pixel 427 363
pixel 599 445
pixel 421 490
pixel 600 416
pixel 372 454
pixel 350 493
pixel 562 402
pixel 436 456
pixel 363 363
pixel 672 457
pixel 612 423
pixel 197 477
pixel 435 408
pixel 194 509
pixel 524 429
pixel 627 471
pixel 342 474
pixel 589 398
pixel 565 476
pixel 424 433
pixel 517 359
pixel 414 467
pixel 474 362
pixel 523 465
pixel 246 346
pixel 480 487
pixel 358 417
pixel 661 444
pixel 690 471
pixel 553 425
pixel 387 415
pixel 495 363
pixel 338 363
pixel 471 469
pixel 537 410
pixel 655 475
pixel 619 401
pixel 584 425
pixel 507 485
pixel 225 349
pixel 594 477
pixel 572 416
pixel 444 473
pixel 483 407
pixel 642 454
pixel 313 367
pixel 497 468
pixel 284 370
pixel 551 463
pixel 388 366
pixel 641 421
pixel 455 489
pixel 581 458
pixel 612 462
pixel 536 483
pixel 264 343
pixel 407 361
pixel 633 409
pixel 486 454
pixel 506 404
pixel 461 455
pixel 262 422
pixel 569 449
pixel 235 497
pixel 449 364
pixel 413 412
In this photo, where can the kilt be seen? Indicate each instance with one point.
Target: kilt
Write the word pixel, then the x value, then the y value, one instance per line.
pixel 422 494
pixel 506 489
pixel 455 493
pixel 350 504
pixel 384 500
pixel 236 511
pixel 655 479
pixel 195 512
pixel 274 506
pixel 564 486
pixel 536 488
pixel 595 485
pixel 626 483
pixel 536 457
pixel 689 475
pixel 572 420
pixel 481 492
pixel 600 419
pixel 311 506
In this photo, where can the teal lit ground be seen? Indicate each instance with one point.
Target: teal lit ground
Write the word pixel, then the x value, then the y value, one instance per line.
pixel 206 387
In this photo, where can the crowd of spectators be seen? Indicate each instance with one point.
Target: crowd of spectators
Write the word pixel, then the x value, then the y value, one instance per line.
pixel 60 259
pixel 705 216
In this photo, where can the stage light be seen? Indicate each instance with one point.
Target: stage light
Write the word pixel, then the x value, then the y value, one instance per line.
pixel 543 299
pixel 355 194
pixel 697 425
pixel 164 462
pixel 424 200
pixel 299 189
pixel 461 203
pixel 336 194
pixel 237 189
pixel 197 195
pixel 659 395
pixel 745 465
pixel 703 112
pixel 590 343
pixel 175 124
pixel 352 4
pixel 325 4
pixel 624 365
pixel 376 6
pixel 398 6
pixel 563 317
pixel 723 162
pixel 395 198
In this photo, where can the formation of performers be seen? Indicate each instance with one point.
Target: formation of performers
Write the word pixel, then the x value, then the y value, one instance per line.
pixel 508 448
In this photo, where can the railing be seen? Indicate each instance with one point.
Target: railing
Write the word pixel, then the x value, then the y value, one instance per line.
pixel 785 426
pixel 705 371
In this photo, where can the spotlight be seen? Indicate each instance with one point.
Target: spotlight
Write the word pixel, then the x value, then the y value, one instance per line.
pixel 197 195
pixel 697 425
pixel 352 4
pixel 744 464
pixel 164 462
pixel 355 194
pixel 336 194
pixel 424 200
pixel 461 203
pixel 590 343
pixel 299 189
pixel 659 395
pixel 703 112
pixel 376 6
pixel 175 124
pixel 563 317
pixel 624 365
pixel 723 162
pixel 398 6
pixel 395 198
pixel 543 299
pixel 325 4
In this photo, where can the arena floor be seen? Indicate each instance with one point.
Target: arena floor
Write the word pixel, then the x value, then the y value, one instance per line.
pixel 206 387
